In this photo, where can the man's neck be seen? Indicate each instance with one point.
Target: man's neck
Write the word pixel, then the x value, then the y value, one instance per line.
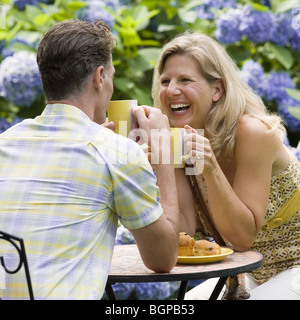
pixel 76 103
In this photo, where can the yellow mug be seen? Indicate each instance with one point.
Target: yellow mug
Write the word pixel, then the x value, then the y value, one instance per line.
pixel 178 149
pixel 119 111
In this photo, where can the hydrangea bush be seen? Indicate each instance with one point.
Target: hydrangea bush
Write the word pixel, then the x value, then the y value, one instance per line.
pixel 262 36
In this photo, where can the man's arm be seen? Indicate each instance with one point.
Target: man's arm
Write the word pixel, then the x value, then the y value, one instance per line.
pixel 157 242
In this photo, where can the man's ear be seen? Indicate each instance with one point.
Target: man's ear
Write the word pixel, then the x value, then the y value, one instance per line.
pixel 98 78
pixel 218 90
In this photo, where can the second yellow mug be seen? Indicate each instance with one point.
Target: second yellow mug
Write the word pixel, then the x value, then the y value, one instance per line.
pixel 177 137
pixel 119 111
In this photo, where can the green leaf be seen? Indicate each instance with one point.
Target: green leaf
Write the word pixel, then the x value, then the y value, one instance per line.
pixel 166 27
pixel 142 95
pixel 76 5
pixel 294 93
pixel 123 84
pixel 259 7
pixel 282 55
pixel 238 53
pixel 150 54
pixel 286 5
pixel 42 19
pixel 30 36
pixel 187 16
pixel 295 112
pixel 192 4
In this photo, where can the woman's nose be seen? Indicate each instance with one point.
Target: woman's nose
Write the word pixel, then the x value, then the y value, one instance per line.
pixel 173 88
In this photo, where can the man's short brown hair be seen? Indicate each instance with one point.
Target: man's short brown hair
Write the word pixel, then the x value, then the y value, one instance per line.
pixel 69 52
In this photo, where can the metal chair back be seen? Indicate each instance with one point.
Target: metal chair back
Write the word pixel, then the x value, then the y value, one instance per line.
pixel 18 243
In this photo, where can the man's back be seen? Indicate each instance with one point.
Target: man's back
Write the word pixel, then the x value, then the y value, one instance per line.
pixel 62 180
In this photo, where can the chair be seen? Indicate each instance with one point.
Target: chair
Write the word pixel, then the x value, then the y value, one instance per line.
pixel 18 243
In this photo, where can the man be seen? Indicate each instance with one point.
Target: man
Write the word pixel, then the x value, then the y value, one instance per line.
pixel 66 180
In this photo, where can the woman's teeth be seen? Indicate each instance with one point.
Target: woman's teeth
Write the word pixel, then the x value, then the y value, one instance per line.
pixel 178 107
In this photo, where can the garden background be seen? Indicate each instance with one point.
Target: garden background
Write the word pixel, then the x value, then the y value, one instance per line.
pixel 262 36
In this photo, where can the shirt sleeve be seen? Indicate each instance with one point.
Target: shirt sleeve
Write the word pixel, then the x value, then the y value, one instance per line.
pixel 135 192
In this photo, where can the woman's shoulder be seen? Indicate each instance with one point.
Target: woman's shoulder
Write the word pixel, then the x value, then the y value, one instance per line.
pixel 255 139
pixel 250 127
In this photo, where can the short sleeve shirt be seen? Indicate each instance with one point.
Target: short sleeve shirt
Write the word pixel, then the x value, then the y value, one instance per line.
pixel 65 182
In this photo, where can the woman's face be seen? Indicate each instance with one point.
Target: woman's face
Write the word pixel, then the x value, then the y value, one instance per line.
pixel 185 95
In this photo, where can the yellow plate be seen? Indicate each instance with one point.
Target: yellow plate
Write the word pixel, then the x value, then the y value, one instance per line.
pixel 204 259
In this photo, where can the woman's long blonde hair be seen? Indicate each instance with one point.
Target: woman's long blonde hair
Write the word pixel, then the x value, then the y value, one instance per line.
pixel 238 98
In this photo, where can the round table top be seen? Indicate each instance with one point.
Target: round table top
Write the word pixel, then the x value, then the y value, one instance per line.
pixel 127 266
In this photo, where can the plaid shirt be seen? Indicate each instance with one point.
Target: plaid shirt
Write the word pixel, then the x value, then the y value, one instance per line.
pixel 64 182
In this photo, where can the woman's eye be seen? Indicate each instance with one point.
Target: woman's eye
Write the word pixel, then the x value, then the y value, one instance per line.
pixel 164 82
pixel 185 80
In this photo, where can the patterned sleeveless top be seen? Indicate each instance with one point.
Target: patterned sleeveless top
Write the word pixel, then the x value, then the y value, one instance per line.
pixel 279 237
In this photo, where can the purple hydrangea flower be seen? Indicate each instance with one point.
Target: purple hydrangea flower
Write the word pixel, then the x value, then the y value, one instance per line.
pixel 205 10
pixel 123 291
pixel 124 236
pixel 295 42
pixel 282 31
pixel 8 51
pixel 228 26
pixel 2 46
pixel 275 87
pixel 265 3
pixel 292 123
pixel 153 291
pixel 295 38
pixel 20 79
pixel 96 10
pixel 4 124
pixel 253 74
pixel 256 25
pixel 21 4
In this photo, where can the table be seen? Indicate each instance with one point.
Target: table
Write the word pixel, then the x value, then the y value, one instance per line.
pixel 127 266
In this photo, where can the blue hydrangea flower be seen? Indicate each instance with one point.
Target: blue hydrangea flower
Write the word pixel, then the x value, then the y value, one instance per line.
pixel 2 46
pixel 124 236
pixel 8 51
pixel 4 124
pixel 205 10
pixel 253 74
pixel 265 3
pixel 256 25
pixel 292 123
pixel 20 79
pixel 153 291
pixel 96 10
pixel 123 291
pixel 228 26
pixel 275 87
pixel 282 31
pixel 295 42
pixel 21 4
pixel 295 38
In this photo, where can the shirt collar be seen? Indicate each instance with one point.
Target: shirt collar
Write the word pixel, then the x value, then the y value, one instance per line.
pixel 64 110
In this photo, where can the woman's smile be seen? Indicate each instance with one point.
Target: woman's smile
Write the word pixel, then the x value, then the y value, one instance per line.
pixel 185 94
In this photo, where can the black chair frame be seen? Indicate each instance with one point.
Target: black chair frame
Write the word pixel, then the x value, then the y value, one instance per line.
pixel 23 259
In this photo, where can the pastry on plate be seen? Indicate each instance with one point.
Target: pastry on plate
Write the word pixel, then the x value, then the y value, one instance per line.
pixel 206 248
pixel 185 245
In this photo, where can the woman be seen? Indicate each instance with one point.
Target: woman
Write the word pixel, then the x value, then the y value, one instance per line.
pixel 251 181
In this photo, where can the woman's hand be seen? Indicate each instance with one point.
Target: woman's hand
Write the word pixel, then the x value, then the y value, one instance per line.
pixel 199 150
pixel 109 125
pixel 151 130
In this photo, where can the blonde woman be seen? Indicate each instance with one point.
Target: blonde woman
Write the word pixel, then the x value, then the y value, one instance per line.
pixel 251 181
